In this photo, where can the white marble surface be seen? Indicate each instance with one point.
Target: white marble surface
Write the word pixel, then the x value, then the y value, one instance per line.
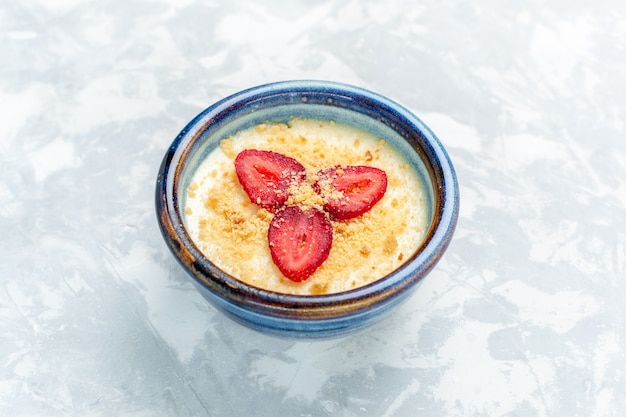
pixel 525 314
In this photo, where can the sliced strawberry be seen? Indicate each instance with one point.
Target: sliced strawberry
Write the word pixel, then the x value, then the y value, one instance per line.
pixel 300 241
pixel 349 191
pixel 266 176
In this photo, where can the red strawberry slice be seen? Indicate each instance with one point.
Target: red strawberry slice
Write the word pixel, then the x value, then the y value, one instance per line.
pixel 266 176
pixel 350 191
pixel 300 241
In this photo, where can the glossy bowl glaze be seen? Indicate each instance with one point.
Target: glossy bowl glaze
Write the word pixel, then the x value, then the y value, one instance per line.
pixel 297 315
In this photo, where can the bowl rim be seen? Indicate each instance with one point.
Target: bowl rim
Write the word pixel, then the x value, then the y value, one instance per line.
pixel 212 278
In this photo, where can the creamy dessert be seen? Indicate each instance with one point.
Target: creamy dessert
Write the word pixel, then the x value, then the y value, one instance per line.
pixel 356 205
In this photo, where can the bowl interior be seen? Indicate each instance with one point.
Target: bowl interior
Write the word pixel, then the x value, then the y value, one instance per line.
pixel 282 108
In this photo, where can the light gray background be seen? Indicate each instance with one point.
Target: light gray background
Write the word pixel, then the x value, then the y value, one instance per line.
pixel 525 314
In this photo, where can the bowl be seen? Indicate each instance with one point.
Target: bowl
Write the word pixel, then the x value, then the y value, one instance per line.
pixel 307 316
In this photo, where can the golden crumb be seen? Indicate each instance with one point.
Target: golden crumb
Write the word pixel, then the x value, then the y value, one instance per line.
pixel 303 194
pixel 318 289
pixel 263 214
pixel 390 245
pixel 227 147
pixel 212 202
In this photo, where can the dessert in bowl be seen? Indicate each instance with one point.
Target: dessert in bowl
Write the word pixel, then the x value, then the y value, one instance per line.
pixel 306 208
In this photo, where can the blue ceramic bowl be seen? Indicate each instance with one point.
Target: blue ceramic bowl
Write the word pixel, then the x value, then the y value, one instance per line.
pixel 297 315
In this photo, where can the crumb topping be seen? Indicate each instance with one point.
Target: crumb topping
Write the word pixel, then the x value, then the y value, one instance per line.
pixel 304 195
pixel 232 231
